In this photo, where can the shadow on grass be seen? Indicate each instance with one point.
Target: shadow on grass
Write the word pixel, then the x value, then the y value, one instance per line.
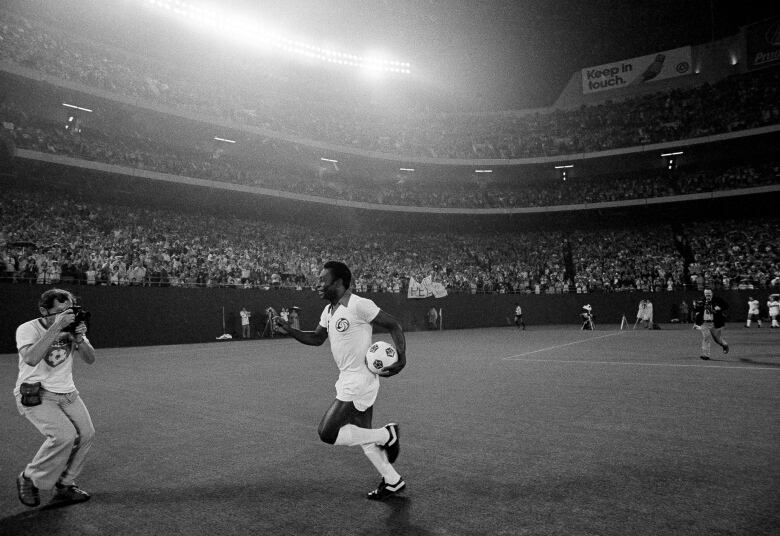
pixel 161 505
pixel 398 521
pixel 774 364
pixel 44 519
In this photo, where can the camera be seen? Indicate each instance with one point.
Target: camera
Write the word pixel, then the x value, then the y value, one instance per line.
pixel 82 315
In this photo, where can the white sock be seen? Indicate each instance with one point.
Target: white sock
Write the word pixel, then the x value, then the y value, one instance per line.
pixel 351 436
pixel 378 457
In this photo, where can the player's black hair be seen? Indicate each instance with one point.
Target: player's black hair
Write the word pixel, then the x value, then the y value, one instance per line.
pixel 339 270
pixel 48 298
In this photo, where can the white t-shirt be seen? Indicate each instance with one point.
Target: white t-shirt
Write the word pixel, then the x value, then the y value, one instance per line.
pixel 350 331
pixel 55 370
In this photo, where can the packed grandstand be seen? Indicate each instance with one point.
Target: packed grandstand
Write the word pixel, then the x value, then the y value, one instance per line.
pixel 157 120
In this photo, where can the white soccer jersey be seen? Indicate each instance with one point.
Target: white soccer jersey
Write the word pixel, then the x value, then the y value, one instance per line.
pixel 350 331
pixel 753 307
pixel 55 370
pixel 774 307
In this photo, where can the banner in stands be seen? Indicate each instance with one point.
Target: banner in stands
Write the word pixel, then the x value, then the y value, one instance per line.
pixel 763 43
pixel 637 71
pixel 425 288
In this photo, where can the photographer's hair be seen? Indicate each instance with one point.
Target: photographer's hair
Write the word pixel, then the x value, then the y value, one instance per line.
pixel 339 270
pixel 47 299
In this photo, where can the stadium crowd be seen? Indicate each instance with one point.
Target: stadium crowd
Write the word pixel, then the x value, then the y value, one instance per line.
pixel 242 92
pixel 32 132
pixel 42 242
pixel 104 244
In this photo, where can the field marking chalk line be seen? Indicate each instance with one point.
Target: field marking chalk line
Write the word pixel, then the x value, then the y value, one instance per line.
pixel 630 363
pixel 511 357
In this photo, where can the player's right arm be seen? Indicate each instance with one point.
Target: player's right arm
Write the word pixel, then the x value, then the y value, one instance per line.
pixel 33 353
pixel 311 338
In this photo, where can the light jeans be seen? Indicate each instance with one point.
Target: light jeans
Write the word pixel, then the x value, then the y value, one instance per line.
pixel 708 334
pixel 65 422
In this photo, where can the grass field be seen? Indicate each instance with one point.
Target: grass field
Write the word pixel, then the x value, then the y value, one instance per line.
pixel 548 431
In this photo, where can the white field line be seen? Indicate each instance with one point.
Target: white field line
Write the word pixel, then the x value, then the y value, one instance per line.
pixel 511 357
pixel 519 357
pixel 584 362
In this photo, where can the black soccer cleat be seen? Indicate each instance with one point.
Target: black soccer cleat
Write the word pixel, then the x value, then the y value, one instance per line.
pixel 704 357
pixel 393 445
pixel 385 490
pixel 725 348
pixel 28 493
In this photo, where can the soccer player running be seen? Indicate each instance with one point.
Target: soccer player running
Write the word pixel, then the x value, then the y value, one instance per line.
pixel 710 319
pixel 348 321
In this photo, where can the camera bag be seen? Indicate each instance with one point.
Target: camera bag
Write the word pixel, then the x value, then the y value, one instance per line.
pixel 31 394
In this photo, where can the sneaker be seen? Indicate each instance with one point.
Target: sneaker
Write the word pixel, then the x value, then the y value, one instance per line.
pixel 704 357
pixel 725 348
pixel 393 444
pixel 28 493
pixel 385 490
pixel 69 494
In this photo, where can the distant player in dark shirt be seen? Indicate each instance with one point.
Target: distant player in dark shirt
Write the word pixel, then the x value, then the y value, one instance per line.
pixel 519 316
pixel 710 320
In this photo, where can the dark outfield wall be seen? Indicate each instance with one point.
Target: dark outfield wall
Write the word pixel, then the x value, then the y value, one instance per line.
pixel 143 316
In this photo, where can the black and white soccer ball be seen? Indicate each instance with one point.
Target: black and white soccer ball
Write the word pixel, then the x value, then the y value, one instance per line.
pixel 380 355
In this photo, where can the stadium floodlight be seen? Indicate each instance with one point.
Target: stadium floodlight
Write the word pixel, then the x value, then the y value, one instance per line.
pixel 331 160
pixel 407 169
pixel 251 31
pixel 76 107
pixel 224 139
pixel 671 154
pixel 483 171
pixel 565 167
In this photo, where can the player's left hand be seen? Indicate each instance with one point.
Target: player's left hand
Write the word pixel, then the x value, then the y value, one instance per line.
pixel 79 332
pixel 393 369
pixel 717 308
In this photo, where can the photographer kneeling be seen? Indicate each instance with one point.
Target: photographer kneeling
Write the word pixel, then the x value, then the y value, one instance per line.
pixel 46 395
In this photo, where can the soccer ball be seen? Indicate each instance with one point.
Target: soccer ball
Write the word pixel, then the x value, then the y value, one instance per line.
pixel 380 355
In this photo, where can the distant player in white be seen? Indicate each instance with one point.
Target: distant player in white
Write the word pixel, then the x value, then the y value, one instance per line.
pixel 753 312
pixel 348 322
pixel 774 309
pixel 645 314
